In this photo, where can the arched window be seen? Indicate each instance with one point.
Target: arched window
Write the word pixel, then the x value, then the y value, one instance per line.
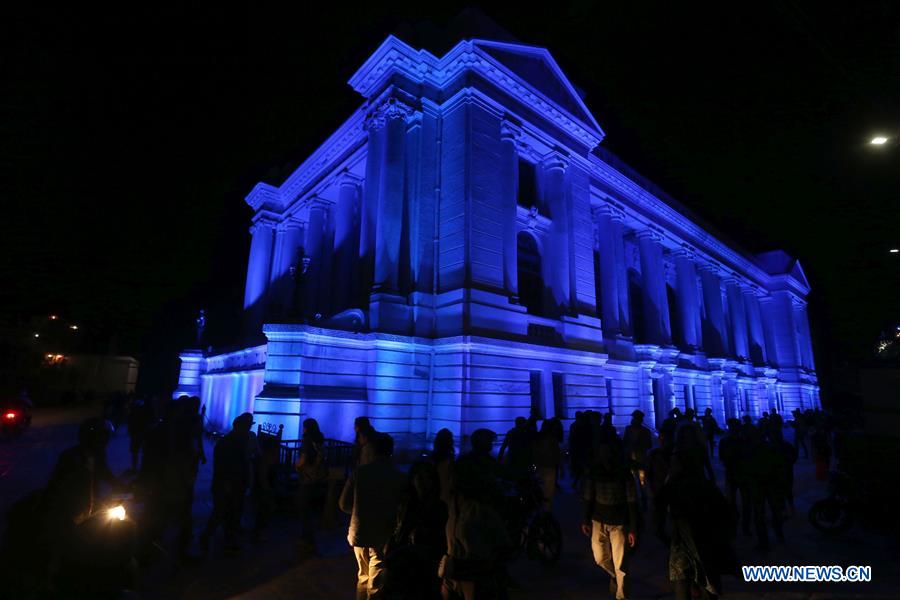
pixel 636 303
pixel 531 279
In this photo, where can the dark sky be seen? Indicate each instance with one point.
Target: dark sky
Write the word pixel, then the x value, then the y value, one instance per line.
pixel 129 139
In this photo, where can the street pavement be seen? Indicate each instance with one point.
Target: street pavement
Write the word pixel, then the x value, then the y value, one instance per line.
pixel 283 568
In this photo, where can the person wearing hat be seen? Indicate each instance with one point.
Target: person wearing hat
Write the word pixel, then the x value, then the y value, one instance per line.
pixel 638 442
pixel 232 474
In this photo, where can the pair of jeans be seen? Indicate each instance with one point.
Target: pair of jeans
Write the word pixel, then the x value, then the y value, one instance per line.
pixel 608 544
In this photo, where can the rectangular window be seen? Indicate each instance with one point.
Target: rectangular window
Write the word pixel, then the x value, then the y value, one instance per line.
pixel 609 396
pixel 559 396
pixel 537 404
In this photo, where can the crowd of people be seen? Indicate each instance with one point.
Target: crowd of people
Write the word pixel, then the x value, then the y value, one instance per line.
pixel 440 528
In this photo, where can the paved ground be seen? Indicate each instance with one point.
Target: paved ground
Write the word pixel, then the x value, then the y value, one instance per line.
pixel 280 568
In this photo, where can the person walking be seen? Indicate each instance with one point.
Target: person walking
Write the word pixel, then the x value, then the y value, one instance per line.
pixel 700 550
pixel 231 479
pixel 312 474
pixel 547 458
pixel 611 516
pixel 372 497
pixel 637 441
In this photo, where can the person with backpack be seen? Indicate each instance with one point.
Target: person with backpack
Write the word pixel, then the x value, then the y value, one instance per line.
pixel 312 472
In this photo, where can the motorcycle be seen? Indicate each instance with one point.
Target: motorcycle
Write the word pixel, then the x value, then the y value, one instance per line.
pixel 834 514
pixel 13 420
pixel 100 558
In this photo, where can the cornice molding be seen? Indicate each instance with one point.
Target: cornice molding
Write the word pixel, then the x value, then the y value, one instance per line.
pixel 422 68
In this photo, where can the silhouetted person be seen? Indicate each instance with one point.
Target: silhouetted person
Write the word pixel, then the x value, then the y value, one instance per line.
pixel 710 430
pixel 139 421
pixel 611 515
pixel 477 537
pixel 420 539
pixel 231 478
pixel 801 431
pixel 733 455
pixel 442 456
pixel 172 450
pixel 372 496
pixel 579 446
pixel 364 436
pixel 312 473
pixel 702 526
pixel 789 459
pixel 637 441
pixel 766 471
pixel 516 449
pixel 547 458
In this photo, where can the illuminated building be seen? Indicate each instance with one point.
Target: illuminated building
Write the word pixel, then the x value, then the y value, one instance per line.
pixel 463 250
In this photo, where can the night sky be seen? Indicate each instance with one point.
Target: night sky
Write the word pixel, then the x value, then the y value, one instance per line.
pixel 128 141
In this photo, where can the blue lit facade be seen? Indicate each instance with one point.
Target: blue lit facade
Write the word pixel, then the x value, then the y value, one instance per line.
pixel 462 251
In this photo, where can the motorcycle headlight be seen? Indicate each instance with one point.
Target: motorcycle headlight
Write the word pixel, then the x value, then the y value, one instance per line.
pixel 116 513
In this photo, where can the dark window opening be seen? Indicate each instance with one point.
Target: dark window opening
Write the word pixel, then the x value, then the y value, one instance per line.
pixel 559 396
pixel 537 405
pixel 531 280
pixel 528 196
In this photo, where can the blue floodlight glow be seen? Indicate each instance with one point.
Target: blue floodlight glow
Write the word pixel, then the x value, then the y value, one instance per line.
pixel 445 257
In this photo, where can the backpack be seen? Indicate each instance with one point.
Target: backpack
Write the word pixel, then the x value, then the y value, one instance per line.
pixel 314 472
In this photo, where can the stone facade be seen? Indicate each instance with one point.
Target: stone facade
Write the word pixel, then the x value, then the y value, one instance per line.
pixel 462 250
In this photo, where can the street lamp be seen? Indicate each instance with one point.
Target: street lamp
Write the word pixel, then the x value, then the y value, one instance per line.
pixel 895 250
pixel 878 140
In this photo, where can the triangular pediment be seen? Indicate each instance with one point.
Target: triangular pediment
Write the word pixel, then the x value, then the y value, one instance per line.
pixel 538 68
pixel 798 274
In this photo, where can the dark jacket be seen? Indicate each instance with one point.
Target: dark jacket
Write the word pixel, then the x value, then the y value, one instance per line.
pixel 372 497
pixel 610 497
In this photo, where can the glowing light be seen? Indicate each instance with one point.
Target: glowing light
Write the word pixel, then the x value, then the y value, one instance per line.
pixel 116 513
pixel 10 416
pixel 878 140
pixel 37 335
pixel 73 327
pixel 895 250
pixel 53 317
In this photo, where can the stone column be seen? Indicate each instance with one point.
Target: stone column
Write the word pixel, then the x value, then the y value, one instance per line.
pixel 346 242
pixel 369 206
pixel 754 320
pixel 738 316
pixel 258 269
pixel 613 276
pixel 315 250
pixel 288 239
pixel 653 278
pixel 391 197
pixel 509 173
pixel 556 263
pixel 688 299
pixel 804 341
pixel 714 329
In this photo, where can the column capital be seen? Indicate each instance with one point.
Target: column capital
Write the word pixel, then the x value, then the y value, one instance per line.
pixel 262 223
pixel 350 179
pixel 685 252
pixel 320 202
pixel 608 210
pixel 555 160
pixel 389 110
pixel 648 234
pixel 291 222
pixel 510 132
pixel 711 268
